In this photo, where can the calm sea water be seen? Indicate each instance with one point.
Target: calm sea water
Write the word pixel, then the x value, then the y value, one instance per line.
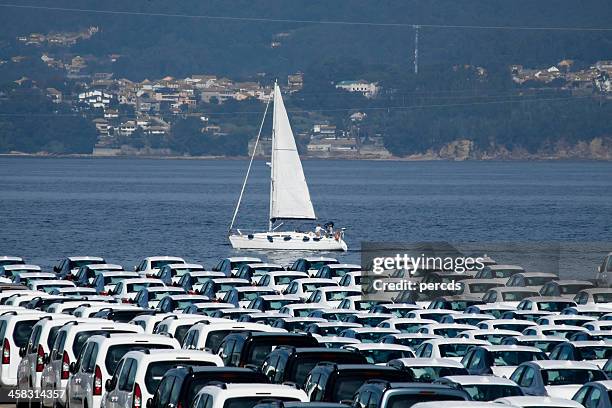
pixel 125 209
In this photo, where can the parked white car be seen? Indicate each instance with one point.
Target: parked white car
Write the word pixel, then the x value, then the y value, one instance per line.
pixel 98 360
pixel 141 372
pixel 229 395
pixel 66 348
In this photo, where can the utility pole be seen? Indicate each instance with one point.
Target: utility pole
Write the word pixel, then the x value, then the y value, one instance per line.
pixel 416 48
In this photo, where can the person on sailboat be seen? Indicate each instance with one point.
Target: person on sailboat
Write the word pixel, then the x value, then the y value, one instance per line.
pixel 319 230
pixel 329 228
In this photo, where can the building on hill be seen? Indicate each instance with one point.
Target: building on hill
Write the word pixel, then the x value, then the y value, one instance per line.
pixel 368 89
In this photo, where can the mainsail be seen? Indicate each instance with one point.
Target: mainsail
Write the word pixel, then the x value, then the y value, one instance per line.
pixel 289 196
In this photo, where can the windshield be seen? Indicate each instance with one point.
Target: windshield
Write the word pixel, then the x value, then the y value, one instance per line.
pixel 428 374
pixel 543 345
pixel 371 337
pixel 514 358
pixel 311 287
pixel 159 264
pixel 479 392
pixel 494 338
pixel 454 350
pixel 570 376
pixel 157 369
pixel 481 287
pixel 384 356
pixel 603 297
pixel 572 289
pixel 560 332
pixel 340 295
pixel 137 287
pixel 596 352
pixel 537 280
pixel 516 296
pixel 409 327
pixel 115 353
pixel 283 280
pixel 81 337
pixel 553 306
pixel 250 295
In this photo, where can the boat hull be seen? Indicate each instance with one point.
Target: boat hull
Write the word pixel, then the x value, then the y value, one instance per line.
pixel 287 241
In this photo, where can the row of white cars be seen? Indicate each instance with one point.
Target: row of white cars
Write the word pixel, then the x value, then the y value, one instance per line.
pixel 90 334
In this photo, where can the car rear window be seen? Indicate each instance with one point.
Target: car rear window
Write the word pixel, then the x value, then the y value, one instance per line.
pixel 137 287
pixel 248 402
pixel 407 400
pixel 156 370
pixel 81 337
pixel 22 332
pixel 115 353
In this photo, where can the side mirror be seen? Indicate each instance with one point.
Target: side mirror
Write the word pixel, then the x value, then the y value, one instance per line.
pixel 600 269
pixel 108 385
pixel 149 402
pixel 22 351
pixel 135 269
pixel 72 368
pixel 56 269
pixel 46 359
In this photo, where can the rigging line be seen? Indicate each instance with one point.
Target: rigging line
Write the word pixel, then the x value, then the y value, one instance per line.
pixel 248 169
pixel 379 108
pixel 297 21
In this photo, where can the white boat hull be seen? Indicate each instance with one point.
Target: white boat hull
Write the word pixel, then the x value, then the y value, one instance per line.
pixel 298 241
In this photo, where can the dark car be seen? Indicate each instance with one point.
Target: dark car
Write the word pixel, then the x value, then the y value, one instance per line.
pixel 458 303
pixel 191 278
pixel 67 266
pixel 582 351
pixel 211 287
pixel 305 264
pixel 122 315
pixel 482 360
pixel 385 394
pixel 179 386
pixel 338 382
pixel 242 349
pixel 291 364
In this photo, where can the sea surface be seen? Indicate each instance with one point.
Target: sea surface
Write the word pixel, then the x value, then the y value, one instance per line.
pixel 126 208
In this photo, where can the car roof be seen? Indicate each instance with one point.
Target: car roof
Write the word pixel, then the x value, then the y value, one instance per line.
pixel 343 265
pixel 563 364
pixel 243 259
pixel 434 362
pixel 378 346
pixel 511 347
pixel 496 267
pixel 458 340
pixel 538 401
pixel 85 258
pixel 21 266
pixel 186 265
pixel 479 379
pixel 105 266
pixel 164 258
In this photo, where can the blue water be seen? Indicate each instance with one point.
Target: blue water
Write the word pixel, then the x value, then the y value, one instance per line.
pixel 125 209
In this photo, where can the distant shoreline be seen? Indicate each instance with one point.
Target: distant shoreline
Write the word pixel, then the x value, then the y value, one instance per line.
pixel 415 158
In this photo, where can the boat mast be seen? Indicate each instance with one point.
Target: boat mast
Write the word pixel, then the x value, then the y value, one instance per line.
pixel 249 168
pixel 270 223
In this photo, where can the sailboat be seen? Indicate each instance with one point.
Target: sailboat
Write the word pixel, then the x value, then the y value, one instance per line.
pixel 289 195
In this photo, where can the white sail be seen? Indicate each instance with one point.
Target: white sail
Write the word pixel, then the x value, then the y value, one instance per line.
pixel 289 195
